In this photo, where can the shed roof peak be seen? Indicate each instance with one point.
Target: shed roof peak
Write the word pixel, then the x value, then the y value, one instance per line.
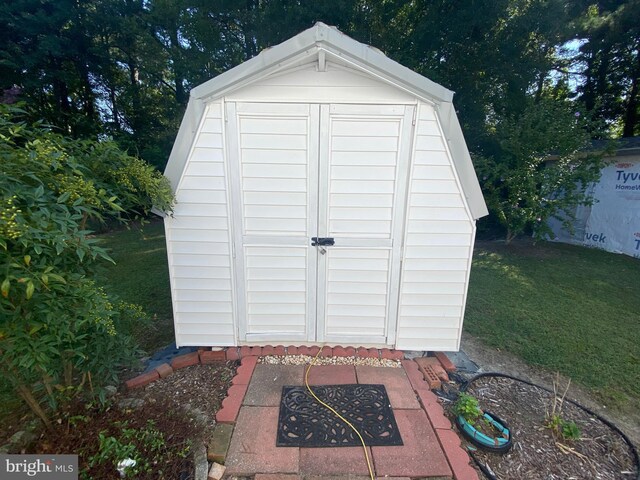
pixel 307 45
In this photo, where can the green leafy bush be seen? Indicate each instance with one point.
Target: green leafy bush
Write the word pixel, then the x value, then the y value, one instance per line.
pixel 540 169
pixel 467 407
pixel 60 333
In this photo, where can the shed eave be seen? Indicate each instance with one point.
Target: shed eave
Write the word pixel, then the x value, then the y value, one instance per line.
pixel 308 44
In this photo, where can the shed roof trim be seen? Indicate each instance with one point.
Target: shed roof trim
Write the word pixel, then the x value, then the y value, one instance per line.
pixel 308 44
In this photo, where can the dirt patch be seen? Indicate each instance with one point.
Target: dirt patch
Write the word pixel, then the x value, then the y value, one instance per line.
pixel 197 390
pixel 537 453
pixel 160 423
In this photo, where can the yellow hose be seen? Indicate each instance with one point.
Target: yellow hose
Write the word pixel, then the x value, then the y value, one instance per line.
pixel 364 446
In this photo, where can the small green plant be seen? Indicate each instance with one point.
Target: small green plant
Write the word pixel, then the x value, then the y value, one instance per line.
pixel 560 427
pixel 570 431
pixel 467 407
pixel 566 429
pixel 144 445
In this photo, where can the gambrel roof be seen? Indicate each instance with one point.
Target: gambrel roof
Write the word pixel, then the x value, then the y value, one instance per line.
pixel 325 43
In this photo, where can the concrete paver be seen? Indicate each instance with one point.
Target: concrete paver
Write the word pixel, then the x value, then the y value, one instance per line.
pixel 334 461
pixel 394 380
pixel 266 384
pixel 332 375
pixel 421 454
pixel 253 445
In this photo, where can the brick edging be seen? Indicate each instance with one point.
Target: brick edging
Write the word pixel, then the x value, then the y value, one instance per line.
pixel 422 382
pixel 230 408
pixel 206 357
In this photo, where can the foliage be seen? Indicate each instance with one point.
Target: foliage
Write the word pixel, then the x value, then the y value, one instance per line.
pixel 146 446
pixel 608 65
pixel 563 428
pixel 61 333
pixel 467 407
pixel 124 69
pixel 541 169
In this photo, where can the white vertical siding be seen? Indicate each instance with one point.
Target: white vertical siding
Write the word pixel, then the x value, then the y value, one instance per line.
pixel 438 241
pixel 198 243
pixel 277 185
pixel 364 159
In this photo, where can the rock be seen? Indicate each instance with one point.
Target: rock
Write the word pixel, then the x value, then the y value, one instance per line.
pixel 200 462
pixel 196 414
pixel 131 403
pixel 21 439
pixel 216 472
pixel 34 425
pixel 110 391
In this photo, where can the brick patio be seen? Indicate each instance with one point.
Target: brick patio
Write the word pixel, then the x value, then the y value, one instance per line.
pixel 431 449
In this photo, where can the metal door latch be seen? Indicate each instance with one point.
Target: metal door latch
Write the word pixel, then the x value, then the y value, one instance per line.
pixel 322 241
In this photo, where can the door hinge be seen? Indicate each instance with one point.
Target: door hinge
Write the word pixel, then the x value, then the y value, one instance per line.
pixel 415 113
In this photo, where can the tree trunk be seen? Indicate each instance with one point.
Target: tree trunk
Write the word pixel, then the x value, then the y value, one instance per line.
pixel 631 108
pixel 114 107
pixel 176 53
pixel 28 397
pixel 134 77
pixel 589 95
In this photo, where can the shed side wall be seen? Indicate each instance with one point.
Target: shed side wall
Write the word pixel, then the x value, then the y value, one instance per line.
pixel 198 243
pixel 438 246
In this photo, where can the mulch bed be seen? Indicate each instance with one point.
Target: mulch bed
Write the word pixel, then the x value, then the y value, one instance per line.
pixel 181 406
pixel 600 453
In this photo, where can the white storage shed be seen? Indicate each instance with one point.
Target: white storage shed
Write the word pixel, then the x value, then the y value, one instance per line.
pixel 325 194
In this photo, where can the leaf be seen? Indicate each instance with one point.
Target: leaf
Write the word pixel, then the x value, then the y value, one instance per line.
pixel 27 260
pixel 80 253
pixel 38 249
pixel 30 289
pixel 5 287
pixel 34 329
pixel 57 277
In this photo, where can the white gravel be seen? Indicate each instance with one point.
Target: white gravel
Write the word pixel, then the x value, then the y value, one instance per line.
pixel 306 359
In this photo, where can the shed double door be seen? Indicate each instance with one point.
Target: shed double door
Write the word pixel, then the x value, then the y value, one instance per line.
pixel 336 172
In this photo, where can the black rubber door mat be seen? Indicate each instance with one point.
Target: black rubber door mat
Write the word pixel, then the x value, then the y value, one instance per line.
pixel 303 422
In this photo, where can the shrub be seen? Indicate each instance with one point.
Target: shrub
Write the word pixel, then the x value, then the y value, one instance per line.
pixel 61 333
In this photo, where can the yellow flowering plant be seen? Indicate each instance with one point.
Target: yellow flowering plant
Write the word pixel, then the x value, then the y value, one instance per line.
pixel 62 335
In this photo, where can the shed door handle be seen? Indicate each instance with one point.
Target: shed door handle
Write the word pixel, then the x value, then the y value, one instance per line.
pixel 322 241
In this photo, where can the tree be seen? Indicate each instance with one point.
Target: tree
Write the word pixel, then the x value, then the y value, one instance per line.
pixel 61 333
pixel 608 65
pixel 542 169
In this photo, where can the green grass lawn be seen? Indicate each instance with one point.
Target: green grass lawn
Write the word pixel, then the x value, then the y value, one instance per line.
pixel 141 276
pixel 569 309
